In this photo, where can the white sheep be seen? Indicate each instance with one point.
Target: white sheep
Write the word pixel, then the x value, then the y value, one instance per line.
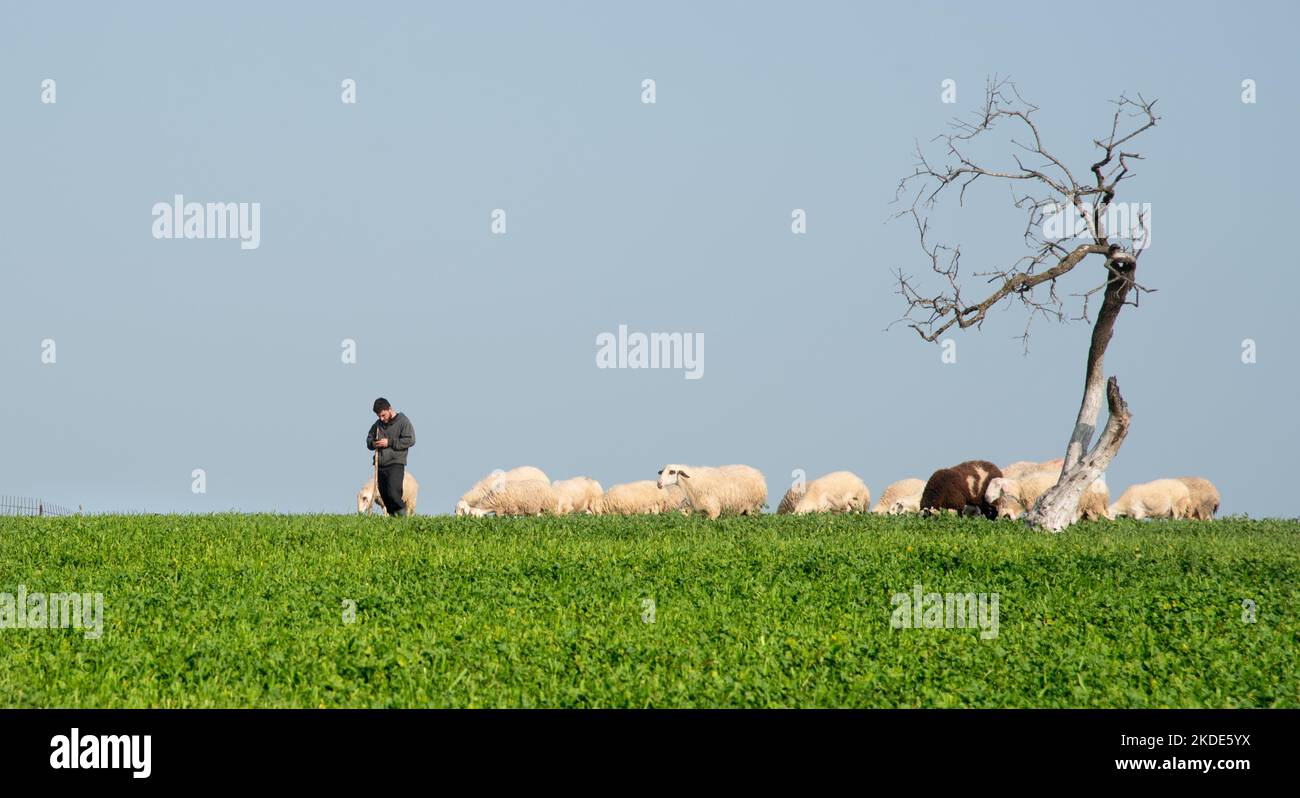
pixel 1161 498
pixel 903 496
pixel 1204 498
pixel 715 490
pixel 1094 504
pixel 836 492
pixel 517 497
pixel 369 496
pixel 674 500
pixel 1021 468
pixel 1016 496
pixel 1012 497
pixel 577 495
pixel 498 478
pixel 790 499
pixel 633 498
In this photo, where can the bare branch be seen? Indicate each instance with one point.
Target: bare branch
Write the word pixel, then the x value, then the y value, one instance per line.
pixel 1030 278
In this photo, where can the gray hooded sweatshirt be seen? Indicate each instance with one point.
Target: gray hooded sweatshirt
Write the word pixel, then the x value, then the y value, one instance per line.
pixel 401 436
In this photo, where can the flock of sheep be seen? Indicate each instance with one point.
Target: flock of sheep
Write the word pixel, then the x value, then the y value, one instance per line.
pixel 975 486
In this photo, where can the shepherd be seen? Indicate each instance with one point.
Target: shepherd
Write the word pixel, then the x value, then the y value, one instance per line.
pixel 389 438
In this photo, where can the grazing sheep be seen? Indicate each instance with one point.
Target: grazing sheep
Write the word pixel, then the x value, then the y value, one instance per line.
pixel 475 494
pixel 1204 498
pixel 1022 468
pixel 836 492
pixel 1019 468
pixel 518 497
pixel 368 496
pixel 1094 504
pixel 903 496
pixel 1162 498
pixel 713 491
pixel 1052 465
pixel 633 498
pixel 791 498
pixel 1012 497
pixel 577 495
pixel 675 500
pixel 964 485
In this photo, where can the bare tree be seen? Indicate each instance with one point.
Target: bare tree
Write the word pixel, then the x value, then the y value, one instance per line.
pixel 1048 192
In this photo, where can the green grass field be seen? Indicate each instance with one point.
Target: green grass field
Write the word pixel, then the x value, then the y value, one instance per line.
pixel 248 610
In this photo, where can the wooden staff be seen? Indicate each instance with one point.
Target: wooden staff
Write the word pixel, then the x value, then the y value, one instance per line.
pixel 376 497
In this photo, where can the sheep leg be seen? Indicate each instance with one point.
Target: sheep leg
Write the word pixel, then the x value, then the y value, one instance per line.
pixel 713 508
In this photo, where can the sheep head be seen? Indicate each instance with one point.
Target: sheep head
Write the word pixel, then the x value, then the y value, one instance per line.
pixel 366 499
pixel 1001 495
pixel 671 474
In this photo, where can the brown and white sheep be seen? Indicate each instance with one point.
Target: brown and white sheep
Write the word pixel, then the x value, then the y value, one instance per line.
pixel 903 496
pixel 715 490
pixel 1161 498
pixel 959 487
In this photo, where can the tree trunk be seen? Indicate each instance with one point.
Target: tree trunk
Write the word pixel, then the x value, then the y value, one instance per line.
pixel 1057 508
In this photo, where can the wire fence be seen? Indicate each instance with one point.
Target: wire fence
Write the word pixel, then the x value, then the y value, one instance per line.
pixel 22 505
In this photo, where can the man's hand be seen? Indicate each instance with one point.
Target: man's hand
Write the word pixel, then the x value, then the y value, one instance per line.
pixel 382 443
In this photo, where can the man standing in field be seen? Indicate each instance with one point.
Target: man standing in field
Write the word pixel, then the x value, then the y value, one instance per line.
pixel 389 438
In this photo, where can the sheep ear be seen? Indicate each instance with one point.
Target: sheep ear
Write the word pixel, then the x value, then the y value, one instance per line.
pixel 683 475
pixel 994 491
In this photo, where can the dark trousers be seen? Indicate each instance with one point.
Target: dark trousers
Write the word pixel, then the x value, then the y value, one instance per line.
pixel 390 488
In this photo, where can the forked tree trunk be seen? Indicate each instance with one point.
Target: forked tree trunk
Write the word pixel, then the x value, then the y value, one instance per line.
pixel 1056 509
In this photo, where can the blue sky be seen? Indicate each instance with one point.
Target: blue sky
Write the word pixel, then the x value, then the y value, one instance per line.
pixel 174 355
